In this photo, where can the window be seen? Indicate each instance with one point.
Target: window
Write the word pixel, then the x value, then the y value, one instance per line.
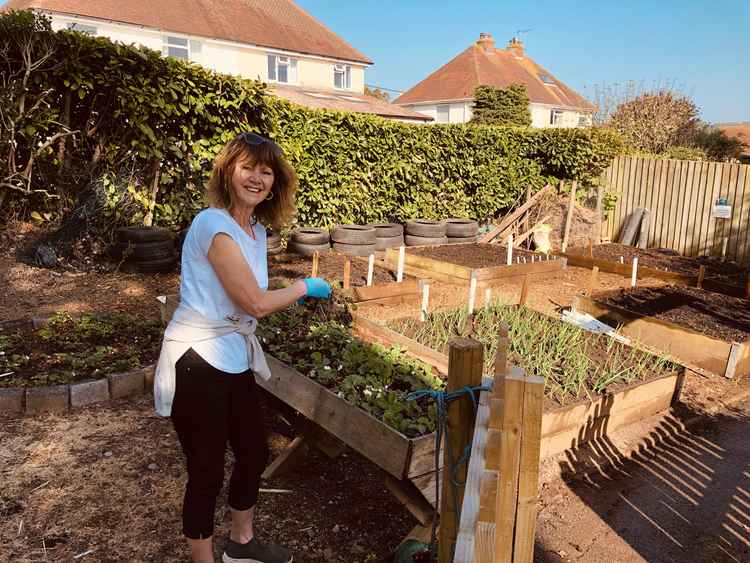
pixel 547 79
pixel 82 28
pixel 556 117
pixel 282 69
pixel 443 113
pixel 177 47
pixel 342 77
pixel 583 121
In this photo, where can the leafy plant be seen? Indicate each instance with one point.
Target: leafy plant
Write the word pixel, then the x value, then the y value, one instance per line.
pixel 501 106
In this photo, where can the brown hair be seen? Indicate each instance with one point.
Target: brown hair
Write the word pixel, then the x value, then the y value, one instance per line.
pixel 274 212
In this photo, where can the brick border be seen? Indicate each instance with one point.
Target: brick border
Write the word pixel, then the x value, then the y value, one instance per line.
pixel 20 401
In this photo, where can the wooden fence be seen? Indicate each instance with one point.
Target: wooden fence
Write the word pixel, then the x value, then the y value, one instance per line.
pixel 680 195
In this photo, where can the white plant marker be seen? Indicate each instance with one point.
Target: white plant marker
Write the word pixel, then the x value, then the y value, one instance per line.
pixel 510 249
pixel 634 275
pixel 472 292
pixel 622 260
pixel 518 260
pixel 425 301
pixel 401 258
pixel 487 297
pixel 724 248
pixel 370 268
pixel 524 259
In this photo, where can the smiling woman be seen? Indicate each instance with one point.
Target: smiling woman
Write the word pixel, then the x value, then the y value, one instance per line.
pixel 205 378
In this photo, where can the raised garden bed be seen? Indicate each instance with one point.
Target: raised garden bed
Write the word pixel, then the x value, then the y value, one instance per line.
pixel 702 330
pixel 728 278
pixel 458 263
pixel 330 267
pixel 50 365
pixel 604 385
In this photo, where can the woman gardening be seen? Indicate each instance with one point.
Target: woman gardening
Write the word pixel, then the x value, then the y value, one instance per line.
pixel 205 375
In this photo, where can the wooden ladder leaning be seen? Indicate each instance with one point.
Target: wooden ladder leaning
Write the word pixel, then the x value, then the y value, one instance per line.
pixel 498 516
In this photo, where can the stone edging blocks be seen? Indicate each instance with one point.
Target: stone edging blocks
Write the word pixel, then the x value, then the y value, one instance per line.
pixel 17 401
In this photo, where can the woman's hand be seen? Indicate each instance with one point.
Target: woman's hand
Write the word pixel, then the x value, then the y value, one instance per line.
pixel 317 288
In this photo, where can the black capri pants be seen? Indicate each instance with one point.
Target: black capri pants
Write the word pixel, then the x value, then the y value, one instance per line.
pixel 211 408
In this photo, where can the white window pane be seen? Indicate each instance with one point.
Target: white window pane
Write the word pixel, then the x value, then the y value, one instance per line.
pixel 271 67
pixel 195 47
pixel 293 71
pixel 177 41
pixel 177 52
pixel 443 114
pixel 283 75
pixel 348 77
pixel 338 79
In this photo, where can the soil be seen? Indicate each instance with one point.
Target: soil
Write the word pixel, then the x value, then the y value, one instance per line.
pixel 111 479
pixel 330 267
pixel 477 255
pixel 712 314
pixel 69 350
pixel 728 272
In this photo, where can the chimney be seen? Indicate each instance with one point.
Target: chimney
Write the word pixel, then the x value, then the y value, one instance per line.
pixel 515 46
pixel 486 41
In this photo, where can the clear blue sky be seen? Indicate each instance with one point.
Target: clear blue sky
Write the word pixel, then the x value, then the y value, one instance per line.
pixel 702 45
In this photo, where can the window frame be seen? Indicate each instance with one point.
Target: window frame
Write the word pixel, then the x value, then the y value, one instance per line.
pixel 346 72
pixel 170 43
pixel 556 121
pixel 83 28
pixel 291 64
pixel 447 113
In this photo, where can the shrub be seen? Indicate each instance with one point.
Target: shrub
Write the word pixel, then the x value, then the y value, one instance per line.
pixel 501 106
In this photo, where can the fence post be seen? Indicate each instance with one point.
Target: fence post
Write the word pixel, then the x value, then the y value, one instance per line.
pixel 465 361
pixel 315 261
pixel 569 217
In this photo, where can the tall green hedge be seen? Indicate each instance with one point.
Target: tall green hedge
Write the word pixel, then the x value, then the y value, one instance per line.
pixel 142 121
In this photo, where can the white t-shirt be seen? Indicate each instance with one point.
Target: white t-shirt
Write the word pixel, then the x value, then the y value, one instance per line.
pixel 201 290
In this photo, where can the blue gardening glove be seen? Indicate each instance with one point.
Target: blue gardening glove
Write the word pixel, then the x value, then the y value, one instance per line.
pixel 318 288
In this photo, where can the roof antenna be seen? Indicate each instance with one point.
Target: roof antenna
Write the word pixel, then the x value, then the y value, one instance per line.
pixel 519 32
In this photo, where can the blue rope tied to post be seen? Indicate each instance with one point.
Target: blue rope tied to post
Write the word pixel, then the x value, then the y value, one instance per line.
pixel 442 398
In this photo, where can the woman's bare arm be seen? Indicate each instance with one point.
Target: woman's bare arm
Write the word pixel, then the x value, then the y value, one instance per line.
pixel 239 282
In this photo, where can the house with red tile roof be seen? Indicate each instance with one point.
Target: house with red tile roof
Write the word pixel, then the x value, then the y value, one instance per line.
pixel 447 95
pixel 741 131
pixel 275 41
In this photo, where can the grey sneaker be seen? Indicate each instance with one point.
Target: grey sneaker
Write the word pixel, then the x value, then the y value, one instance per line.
pixel 255 552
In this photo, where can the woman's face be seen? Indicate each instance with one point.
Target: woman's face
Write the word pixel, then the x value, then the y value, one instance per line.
pixel 251 182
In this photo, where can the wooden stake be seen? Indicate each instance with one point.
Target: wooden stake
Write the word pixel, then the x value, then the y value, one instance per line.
pixel 622 259
pixel 472 292
pixel 594 281
pixel 347 273
pixel 315 261
pixel 724 248
pixel 528 475
pixel 425 301
pixel 401 259
pixel 569 217
pixel 591 248
pixel 487 297
pixel 701 275
pixel 634 273
pixel 465 363
pixel 524 291
pixel 510 249
pixel 370 268
pixel 599 214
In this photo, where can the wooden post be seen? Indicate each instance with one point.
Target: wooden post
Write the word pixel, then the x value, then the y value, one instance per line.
pixel 634 272
pixel 724 248
pixel 347 273
pixel 401 259
pixel 370 268
pixel 524 291
pixel 569 217
pixel 599 214
pixel 594 280
pixel 528 475
pixel 465 363
pixel 472 292
pixel 425 301
pixel 591 248
pixel 510 249
pixel 487 297
pixel 701 275
pixel 315 261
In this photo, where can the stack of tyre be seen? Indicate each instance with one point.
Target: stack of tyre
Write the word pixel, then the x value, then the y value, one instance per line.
pixel 425 232
pixel 354 240
pixel 307 240
pixel 461 230
pixel 149 250
pixel 388 235
pixel 273 242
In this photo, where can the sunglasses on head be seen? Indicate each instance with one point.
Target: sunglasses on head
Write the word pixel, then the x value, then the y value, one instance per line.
pixel 255 140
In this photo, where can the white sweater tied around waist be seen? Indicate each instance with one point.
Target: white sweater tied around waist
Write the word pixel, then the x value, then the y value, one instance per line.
pixel 187 327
